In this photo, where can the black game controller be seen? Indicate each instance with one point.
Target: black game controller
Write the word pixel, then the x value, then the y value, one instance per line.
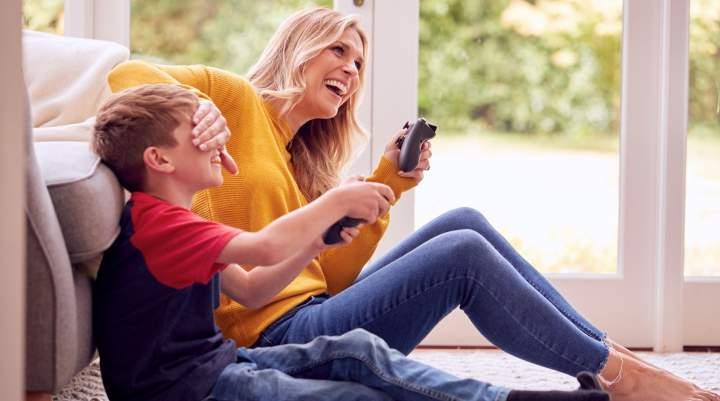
pixel 411 143
pixel 332 235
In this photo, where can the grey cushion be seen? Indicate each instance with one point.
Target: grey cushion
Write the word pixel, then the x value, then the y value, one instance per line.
pixel 87 197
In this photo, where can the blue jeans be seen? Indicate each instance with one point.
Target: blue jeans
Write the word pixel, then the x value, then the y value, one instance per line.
pixel 456 260
pixel 352 367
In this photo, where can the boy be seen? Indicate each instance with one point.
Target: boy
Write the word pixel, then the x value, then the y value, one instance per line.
pixel 159 282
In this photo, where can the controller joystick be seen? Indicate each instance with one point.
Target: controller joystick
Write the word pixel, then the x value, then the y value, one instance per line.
pixel 332 235
pixel 410 144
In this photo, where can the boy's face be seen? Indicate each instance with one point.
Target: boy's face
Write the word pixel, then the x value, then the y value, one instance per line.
pixel 197 169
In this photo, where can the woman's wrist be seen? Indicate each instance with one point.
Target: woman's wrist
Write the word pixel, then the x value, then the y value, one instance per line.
pixel 386 173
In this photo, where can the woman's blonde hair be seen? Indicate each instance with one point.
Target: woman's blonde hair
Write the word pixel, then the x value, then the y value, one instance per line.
pixel 321 147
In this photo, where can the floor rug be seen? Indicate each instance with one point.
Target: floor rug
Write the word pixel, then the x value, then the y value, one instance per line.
pixel 492 366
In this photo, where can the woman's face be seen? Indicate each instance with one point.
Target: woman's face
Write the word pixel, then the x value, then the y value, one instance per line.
pixel 332 77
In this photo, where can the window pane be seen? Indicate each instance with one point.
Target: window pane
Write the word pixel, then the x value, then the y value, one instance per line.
pixel 702 204
pixel 527 97
pixel 228 34
pixel 43 15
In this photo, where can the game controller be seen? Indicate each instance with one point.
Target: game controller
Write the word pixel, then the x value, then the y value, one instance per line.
pixel 332 235
pixel 410 144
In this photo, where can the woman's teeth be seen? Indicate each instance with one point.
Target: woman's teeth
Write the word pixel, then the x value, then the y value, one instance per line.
pixel 336 86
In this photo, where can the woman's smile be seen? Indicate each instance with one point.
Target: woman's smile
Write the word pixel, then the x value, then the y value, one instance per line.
pixel 337 87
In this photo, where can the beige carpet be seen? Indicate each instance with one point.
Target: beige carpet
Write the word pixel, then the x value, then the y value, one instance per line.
pixel 503 369
pixel 492 366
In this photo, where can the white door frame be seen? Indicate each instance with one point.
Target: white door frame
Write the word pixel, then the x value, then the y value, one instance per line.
pixel 98 19
pixel 390 96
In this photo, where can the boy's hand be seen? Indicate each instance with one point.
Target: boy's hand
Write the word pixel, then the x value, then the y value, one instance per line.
pixel 364 200
pixel 211 132
pixel 348 234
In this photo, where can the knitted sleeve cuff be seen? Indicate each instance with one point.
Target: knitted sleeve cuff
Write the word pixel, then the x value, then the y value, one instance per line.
pixel 386 173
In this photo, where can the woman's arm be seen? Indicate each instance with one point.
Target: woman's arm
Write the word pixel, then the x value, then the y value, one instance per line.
pixel 342 265
pixel 223 88
pixel 135 72
pixel 210 126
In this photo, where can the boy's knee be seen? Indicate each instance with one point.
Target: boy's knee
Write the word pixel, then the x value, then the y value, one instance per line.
pixel 358 340
pixel 362 337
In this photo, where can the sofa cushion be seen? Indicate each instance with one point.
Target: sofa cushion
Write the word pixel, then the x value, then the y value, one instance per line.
pixel 86 195
pixel 66 79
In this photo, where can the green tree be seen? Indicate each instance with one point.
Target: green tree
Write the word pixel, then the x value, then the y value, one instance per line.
pixel 480 61
pixel 228 34
pixel 43 15
pixel 704 104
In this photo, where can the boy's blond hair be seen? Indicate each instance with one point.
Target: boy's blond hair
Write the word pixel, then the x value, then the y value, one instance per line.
pixel 133 120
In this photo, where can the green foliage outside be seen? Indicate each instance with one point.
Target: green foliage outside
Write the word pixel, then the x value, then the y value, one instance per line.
pixel 514 66
pixel 229 34
pixel 43 15
pixel 546 66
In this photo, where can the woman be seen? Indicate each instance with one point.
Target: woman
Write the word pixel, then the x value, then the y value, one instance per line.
pixel 293 122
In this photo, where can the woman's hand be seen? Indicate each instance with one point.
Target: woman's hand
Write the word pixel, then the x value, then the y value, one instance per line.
pixel 210 131
pixel 392 153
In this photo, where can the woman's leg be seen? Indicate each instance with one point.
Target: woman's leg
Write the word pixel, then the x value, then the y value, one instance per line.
pixel 354 366
pixel 468 218
pixel 638 374
pixel 405 299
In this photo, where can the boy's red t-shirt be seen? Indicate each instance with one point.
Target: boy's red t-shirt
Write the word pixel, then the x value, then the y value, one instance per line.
pixel 153 304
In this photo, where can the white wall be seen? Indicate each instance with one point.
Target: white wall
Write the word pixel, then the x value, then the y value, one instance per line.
pixel 12 176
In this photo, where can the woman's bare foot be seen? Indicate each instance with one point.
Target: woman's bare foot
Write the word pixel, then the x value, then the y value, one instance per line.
pixel 627 352
pixel 628 378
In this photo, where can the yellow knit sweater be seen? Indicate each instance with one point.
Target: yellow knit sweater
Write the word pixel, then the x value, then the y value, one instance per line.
pixel 264 189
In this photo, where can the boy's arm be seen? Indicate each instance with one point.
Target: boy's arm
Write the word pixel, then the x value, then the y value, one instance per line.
pixel 296 230
pixel 255 288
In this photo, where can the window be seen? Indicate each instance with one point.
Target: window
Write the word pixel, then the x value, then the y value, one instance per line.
pixel 527 97
pixel 228 34
pixel 702 204
pixel 43 15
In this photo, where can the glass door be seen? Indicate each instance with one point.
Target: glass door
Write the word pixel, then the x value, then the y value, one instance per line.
pixel 559 121
pixel 528 98
pixel 702 201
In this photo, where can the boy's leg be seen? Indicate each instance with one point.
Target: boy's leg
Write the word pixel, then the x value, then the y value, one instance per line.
pixel 245 381
pixel 359 356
